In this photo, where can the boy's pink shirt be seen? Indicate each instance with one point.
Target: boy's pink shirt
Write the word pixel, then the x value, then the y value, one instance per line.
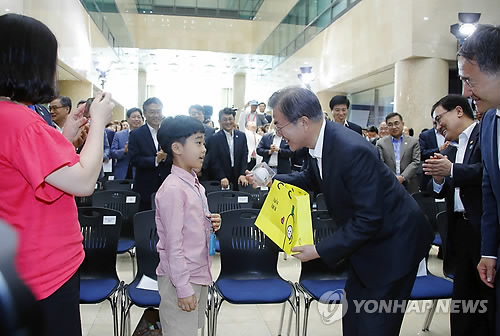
pixel 184 232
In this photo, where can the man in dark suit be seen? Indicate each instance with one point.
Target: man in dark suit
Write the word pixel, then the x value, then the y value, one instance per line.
pixel 146 155
pixel 339 105
pixel 228 152
pixel 430 142
pixel 401 153
pixel 456 175
pixel 197 112
pixel 119 148
pixel 479 70
pixel 275 152
pixel 381 230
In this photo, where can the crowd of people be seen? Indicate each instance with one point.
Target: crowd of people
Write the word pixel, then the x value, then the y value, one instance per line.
pixel 367 176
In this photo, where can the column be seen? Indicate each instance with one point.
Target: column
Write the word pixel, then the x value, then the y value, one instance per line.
pixel 418 84
pixel 141 88
pixel 239 83
pixel 76 90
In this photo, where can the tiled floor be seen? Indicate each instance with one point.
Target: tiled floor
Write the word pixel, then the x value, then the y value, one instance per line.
pixel 261 320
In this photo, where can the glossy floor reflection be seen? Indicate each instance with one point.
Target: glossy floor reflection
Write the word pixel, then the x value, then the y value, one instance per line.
pixel 262 320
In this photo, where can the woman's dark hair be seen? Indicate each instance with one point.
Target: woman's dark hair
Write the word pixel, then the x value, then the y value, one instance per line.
pixel 177 129
pixel 28 60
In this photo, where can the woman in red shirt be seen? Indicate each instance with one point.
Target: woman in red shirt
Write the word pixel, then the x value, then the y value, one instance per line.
pixel 40 171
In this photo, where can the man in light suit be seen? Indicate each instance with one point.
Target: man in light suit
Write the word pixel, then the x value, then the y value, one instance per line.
pixel 479 70
pixel 228 152
pixel 456 173
pixel 146 155
pixel 119 147
pixel 339 105
pixel 401 153
pixel 381 231
pixel 275 152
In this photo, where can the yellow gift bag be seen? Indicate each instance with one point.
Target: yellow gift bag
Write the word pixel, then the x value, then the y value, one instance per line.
pixel 285 216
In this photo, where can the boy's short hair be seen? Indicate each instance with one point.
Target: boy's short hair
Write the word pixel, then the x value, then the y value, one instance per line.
pixel 177 129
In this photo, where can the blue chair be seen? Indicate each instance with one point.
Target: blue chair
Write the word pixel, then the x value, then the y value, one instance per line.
pixel 249 272
pixel 147 261
pixel 211 186
pixel 220 201
pixel 429 207
pixel 431 287
pixel 257 194
pixel 119 185
pixel 98 278
pixel 316 278
pixel 127 203
pixel 320 202
pixel 19 313
pixel 442 224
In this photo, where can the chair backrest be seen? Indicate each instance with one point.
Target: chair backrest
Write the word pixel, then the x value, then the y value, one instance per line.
pixel 146 239
pixel 101 230
pixel 427 204
pixel 119 185
pixel 245 251
pixel 323 226
pixel 257 195
pixel 320 202
pixel 211 186
pixel 19 313
pixel 125 201
pixel 449 266
pixel 220 201
pixel 153 202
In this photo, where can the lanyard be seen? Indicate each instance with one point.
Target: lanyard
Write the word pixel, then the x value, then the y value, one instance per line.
pixel 205 206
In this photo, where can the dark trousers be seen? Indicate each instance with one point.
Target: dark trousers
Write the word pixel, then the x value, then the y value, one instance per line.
pixel 379 323
pixel 467 285
pixel 61 310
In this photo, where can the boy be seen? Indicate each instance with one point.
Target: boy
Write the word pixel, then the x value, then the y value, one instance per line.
pixel 184 225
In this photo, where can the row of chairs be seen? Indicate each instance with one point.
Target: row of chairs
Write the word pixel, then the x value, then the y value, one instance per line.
pixel 248 271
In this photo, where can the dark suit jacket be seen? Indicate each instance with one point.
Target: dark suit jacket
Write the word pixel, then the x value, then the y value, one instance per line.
pixel 381 229
pixel 209 131
pixel 491 191
pixel 467 176
pixel 355 127
pixel 428 147
pixel 409 157
pixel 44 113
pixel 428 144
pixel 220 159
pixel 142 152
pixel 284 155
pixel 117 152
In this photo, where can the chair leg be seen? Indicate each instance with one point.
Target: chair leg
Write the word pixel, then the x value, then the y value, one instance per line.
pixel 307 305
pixel 125 314
pixel 430 315
pixel 217 304
pixel 113 301
pixel 133 259
pixel 281 319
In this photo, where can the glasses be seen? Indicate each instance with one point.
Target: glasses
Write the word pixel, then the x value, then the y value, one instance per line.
pixel 279 129
pixel 468 82
pixel 54 107
pixel 394 124
pixel 437 119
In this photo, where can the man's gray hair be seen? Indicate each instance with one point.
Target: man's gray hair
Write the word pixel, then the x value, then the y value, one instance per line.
pixel 295 102
pixel 483 47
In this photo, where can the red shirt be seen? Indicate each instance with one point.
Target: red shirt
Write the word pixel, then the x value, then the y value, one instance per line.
pixel 45 218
